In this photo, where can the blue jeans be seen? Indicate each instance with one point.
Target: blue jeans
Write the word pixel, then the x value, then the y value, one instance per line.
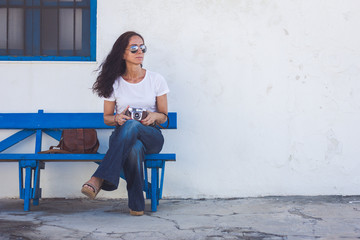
pixel 128 145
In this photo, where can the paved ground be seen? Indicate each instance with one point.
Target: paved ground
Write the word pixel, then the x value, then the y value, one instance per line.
pixel 330 217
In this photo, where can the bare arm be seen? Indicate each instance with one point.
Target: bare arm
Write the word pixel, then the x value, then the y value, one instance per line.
pixel 109 117
pixel 158 117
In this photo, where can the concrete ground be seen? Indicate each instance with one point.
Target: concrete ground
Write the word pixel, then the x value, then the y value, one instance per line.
pixel 325 217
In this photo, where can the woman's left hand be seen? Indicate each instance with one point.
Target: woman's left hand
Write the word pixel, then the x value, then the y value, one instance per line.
pixel 150 119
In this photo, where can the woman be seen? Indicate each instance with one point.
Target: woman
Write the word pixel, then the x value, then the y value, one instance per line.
pixel 123 83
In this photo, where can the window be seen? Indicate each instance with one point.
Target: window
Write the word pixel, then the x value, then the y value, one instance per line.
pixel 36 30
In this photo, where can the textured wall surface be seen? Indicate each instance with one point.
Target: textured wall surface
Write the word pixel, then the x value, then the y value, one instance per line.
pixel 267 94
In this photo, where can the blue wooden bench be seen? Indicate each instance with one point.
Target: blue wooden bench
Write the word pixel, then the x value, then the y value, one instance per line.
pixel 52 124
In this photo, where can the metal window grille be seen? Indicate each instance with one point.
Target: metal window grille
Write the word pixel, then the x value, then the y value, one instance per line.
pixel 47 28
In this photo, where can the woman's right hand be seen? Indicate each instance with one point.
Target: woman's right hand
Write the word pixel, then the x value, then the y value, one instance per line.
pixel 109 117
pixel 121 118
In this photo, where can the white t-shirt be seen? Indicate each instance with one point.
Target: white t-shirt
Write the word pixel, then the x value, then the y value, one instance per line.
pixel 139 95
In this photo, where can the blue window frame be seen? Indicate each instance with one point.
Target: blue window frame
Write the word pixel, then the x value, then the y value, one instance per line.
pixel 48 30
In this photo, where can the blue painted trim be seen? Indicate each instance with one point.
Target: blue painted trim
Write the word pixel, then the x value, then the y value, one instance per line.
pixel 12 3
pixel 93 27
pixel 28 3
pixel 69 53
pixel 36 33
pixel 86 33
pixel 33 37
pixel 46 58
pixel 16 52
pixel 28 31
pixel 36 2
pixel 83 3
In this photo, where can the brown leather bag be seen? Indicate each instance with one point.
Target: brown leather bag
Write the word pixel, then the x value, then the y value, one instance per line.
pixel 76 141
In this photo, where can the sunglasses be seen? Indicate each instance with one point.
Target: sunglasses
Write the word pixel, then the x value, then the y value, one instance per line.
pixel 135 48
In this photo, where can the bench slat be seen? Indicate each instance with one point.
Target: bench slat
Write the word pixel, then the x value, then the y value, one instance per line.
pixel 61 120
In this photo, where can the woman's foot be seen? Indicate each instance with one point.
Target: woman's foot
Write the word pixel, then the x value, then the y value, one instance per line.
pixel 136 213
pixel 92 187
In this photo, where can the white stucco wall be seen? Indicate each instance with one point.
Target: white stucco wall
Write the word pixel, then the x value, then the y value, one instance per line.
pixel 267 92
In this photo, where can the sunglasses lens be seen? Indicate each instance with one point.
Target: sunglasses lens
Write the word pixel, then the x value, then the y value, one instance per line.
pixel 134 49
pixel 143 48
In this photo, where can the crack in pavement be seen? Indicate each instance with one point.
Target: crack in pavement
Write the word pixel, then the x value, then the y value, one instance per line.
pixel 176 224
pixel 297 211
pixel 221 232
pixel 138 235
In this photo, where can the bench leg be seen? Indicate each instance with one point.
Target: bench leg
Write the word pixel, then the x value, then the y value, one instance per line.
pixel 27 197
pixel 36 191
pixel 154 188
pixel 29 185
pixel 146 183
pixel 162 179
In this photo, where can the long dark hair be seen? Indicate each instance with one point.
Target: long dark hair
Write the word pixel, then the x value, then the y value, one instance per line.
pixel 113 67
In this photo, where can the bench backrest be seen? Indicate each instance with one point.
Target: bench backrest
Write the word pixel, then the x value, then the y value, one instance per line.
pixel 43 120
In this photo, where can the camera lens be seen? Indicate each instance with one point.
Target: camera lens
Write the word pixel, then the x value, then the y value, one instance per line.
pixel 136 116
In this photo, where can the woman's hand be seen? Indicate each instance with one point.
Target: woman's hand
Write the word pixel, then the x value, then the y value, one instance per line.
pixel 154 117
pixel 121 118
pixel 150 118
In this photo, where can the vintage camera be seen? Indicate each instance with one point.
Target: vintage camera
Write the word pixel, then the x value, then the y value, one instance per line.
pixel 136 113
